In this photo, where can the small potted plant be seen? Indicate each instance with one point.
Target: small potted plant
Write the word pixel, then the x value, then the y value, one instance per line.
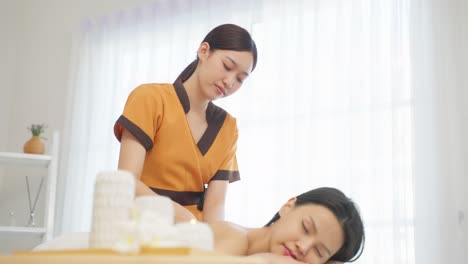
pixel 35 145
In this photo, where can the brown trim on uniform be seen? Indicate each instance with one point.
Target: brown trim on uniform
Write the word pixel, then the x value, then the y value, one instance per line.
pixel 144 139
pixel 215 117
pixel 226 175
pixel 182 198
pixel 182 94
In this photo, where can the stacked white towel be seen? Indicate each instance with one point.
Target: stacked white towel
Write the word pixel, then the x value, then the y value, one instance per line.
pixel 113 197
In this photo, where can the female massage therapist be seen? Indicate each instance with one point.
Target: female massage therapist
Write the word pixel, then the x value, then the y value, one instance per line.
pixel 175 140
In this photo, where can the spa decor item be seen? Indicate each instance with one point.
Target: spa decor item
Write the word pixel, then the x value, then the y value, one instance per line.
pixel 32 205
pixel 35 145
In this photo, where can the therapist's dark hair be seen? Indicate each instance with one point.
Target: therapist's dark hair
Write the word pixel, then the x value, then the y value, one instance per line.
pixel 347 214
pixel 225 37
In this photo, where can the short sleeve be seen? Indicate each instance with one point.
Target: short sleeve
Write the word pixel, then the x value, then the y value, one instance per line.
pixel 141 115
pixel 229 171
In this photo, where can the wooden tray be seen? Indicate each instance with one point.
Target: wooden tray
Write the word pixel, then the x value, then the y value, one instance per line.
pixel 180 251
pixel 147 256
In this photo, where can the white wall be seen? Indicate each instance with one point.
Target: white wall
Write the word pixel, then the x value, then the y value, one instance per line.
pixel 441 129
pixel 463 102
pixel 8 65
pixel 460 123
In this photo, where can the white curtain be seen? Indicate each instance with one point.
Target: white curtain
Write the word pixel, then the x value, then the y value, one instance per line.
pixel 330 104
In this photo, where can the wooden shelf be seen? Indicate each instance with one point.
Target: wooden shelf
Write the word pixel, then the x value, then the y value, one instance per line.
pixel 48 162
pixel 23 159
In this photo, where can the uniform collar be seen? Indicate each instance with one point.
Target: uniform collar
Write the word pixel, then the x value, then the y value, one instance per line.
pixel 215 117
pixel 212 111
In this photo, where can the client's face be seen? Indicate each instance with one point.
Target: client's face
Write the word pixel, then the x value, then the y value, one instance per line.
pixel 309 233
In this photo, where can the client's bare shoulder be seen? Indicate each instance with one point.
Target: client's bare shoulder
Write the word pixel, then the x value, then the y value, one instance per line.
pixel 229 238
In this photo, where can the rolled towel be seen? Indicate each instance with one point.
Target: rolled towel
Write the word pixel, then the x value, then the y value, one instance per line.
pixel 196 235
pixel 113 197
pixel 155 217
pixel 156 233
pixel 161 206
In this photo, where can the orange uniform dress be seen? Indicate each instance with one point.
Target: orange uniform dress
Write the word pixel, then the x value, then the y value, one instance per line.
pixel 175 165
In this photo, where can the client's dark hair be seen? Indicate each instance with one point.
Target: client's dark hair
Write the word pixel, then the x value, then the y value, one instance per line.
pixel 347 214
pixel 225 37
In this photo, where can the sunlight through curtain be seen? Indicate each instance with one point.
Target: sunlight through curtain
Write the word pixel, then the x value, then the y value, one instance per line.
pixel 330 104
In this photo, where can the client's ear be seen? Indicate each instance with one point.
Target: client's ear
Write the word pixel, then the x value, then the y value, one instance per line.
pixel 287 206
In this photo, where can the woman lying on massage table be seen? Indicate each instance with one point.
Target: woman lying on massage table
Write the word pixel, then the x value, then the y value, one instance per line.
pixel 315 227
